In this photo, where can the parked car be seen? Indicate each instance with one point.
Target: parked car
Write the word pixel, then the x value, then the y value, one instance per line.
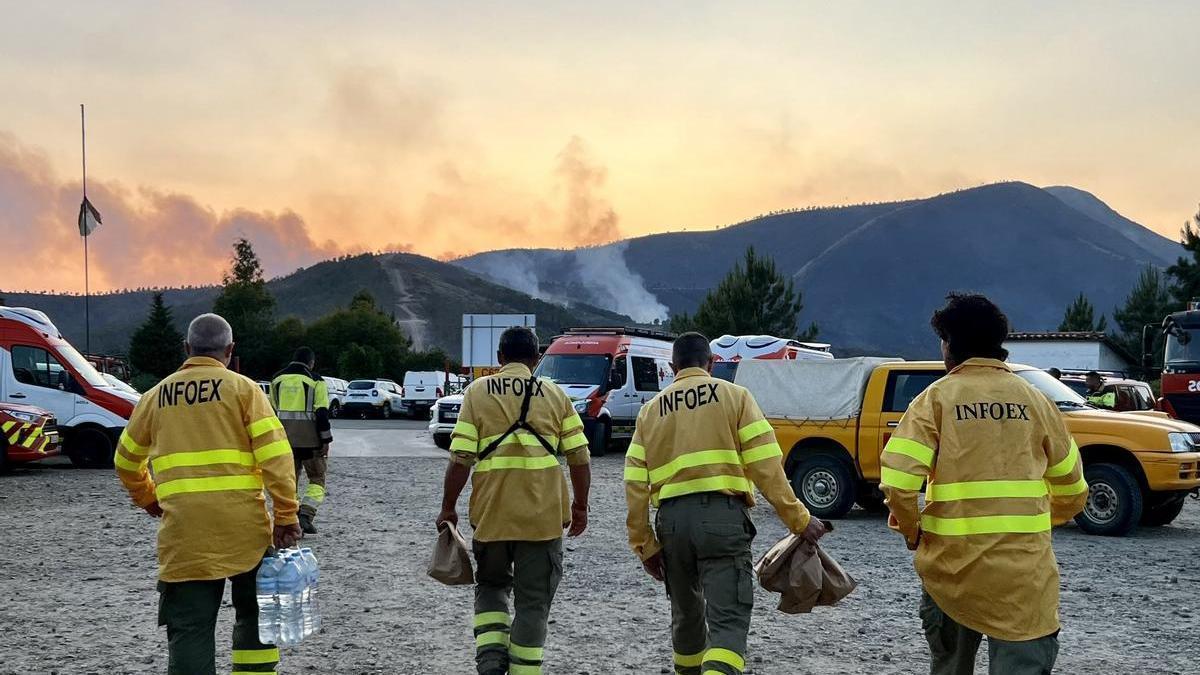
pixel 372 398
pixel 337 394
pixel 443 417
pixel 27 434
pixel 1132 395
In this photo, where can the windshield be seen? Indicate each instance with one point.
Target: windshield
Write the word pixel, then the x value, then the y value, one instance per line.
pixel 725 370
pixel 362 384
pixel 1054 390
pixel 1184 353
pixel 574 369
pixel 86 371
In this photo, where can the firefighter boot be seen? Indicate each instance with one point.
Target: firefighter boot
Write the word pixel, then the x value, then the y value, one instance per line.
pixel 306 523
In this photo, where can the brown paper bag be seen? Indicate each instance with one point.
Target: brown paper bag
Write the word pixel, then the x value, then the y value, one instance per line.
pixel 803 574
pixel 451 561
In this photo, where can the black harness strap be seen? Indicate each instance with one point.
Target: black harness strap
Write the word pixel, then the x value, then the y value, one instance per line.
pixel 520 425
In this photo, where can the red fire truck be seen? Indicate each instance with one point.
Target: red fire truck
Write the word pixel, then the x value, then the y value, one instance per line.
pixel 27 434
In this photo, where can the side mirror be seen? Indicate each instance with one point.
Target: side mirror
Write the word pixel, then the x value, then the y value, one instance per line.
pixel 616 380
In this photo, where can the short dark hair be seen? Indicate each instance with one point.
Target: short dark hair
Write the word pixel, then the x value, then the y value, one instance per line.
pixel 1092 373
pixel 972 326
pixel 691 350
pixel 305 355
pixel 518 344
pixel 1054 372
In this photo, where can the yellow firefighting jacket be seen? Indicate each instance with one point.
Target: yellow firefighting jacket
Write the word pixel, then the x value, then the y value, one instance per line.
pixel 518 492
pixel 301 401
pixel 1002 470
pixel 213 443
pixel 703 434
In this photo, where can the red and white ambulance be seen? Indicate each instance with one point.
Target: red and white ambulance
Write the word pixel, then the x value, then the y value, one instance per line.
pixel 609 373
pixel 38 367
pixel 729 350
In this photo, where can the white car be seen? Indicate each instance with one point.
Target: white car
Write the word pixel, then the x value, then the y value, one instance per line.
pixel 337 394
pixel 370 398
pixel 423 388
pixel 442 418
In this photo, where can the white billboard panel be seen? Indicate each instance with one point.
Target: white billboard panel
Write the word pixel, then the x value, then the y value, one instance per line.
pixel 481 336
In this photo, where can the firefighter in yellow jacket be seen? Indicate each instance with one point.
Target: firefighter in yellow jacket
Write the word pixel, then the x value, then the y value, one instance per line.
pixel 511 428
pixel 1002 470
pixel 213 443
pixel 699 449
pixel 301 399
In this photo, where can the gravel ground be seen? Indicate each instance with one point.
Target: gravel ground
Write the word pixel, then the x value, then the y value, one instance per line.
pixel 77 574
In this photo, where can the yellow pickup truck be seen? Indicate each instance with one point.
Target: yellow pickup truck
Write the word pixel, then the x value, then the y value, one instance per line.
pixel 1140 466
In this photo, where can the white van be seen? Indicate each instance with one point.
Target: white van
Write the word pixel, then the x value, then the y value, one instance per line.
pixel 40 368
pixel 423 388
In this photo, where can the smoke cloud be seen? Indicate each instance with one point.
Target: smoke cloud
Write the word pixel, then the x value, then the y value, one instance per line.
pixel 589 219
pixel 148 238
pixel 614 286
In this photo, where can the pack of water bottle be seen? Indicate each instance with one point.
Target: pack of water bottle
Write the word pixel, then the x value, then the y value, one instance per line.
pixel 288 610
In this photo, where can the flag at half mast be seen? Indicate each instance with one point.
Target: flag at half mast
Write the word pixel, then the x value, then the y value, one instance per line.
pixel 89 218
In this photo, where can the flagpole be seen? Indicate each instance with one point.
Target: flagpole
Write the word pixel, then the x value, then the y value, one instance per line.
pixel 87 315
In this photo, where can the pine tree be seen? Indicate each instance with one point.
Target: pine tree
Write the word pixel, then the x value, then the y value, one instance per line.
pixel 248 306
pixel 1147 303
pixel 156 347
pixel 753 299
pixel 1185 272
pixel 1080 316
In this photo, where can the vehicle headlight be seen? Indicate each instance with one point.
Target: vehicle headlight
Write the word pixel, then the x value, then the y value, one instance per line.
pixel 23 416
pixel 1181 442
pixel 581 405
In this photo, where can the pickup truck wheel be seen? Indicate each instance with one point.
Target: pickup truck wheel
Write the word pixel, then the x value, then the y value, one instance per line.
pixel 442 441
pixel 825 485
pixel 1114 503
pixel 1162 507
pixel 335 410
pixel 90 449
pixel 600 438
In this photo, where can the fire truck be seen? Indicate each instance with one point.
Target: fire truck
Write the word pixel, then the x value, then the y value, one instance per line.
pixel 730 350
pixel 1181 363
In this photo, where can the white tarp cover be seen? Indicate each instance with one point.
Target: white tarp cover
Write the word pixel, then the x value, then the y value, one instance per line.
pixel 816 390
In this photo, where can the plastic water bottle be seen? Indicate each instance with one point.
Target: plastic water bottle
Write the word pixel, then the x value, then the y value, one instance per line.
pixel 312 617
pixel 267 581
pixel 292 582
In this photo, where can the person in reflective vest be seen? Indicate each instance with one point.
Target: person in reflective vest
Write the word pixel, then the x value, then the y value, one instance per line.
pixel 214 445
pixel 512 427
pixel 1001 470
pixel 301 399
pixel 700 448
pixel 1096 394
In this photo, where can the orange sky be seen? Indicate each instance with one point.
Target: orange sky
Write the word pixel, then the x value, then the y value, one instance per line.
pixel 318 129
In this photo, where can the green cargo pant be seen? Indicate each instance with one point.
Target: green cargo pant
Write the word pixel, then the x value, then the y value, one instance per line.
pixel 952 647
pixel 314 494
pixel 710 582
pixel 530 571
pixel 189 611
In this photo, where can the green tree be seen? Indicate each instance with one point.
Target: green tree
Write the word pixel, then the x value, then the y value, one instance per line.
pixel 1081 316
pixel 364 325
pixel 288 336
pixel 357 362
pixel 156 347
pixel 249 308
pixel 1147 303
pixel 753 299
pixel 1186 272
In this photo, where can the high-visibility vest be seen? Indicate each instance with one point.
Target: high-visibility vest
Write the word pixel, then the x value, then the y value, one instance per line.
pixel 297 395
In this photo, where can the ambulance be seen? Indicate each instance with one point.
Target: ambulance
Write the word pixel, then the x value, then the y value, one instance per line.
pixel 39 368
pixel 729 350
pixel 609 373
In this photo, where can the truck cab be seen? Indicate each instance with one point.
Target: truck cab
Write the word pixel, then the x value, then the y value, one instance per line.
pixel 609 373
pixel 38 367
pixel 729 350
pixel 1140 468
